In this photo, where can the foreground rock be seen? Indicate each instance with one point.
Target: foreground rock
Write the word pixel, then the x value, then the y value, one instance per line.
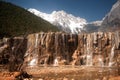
pixel 8 75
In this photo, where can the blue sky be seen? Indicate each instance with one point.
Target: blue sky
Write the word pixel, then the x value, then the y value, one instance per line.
pixel 91 10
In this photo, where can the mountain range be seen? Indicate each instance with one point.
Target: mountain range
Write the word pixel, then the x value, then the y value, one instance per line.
pixel 15 21
pixel 61 19
pixel 68 22
pixel 71 24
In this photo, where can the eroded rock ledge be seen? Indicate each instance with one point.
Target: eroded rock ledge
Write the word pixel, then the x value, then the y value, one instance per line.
pixel 43 48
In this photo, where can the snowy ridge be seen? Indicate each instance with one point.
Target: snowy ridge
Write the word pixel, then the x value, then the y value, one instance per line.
pixel 66 22
pixel 112 19
pixel 117 4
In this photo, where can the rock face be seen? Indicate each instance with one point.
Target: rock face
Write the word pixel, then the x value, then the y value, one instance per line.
pixel 12 52
pixel 112 19
pixel 45 47
pixel 95 49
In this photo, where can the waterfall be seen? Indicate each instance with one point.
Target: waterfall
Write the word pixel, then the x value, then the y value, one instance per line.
pixel 55 62
pixel 49 46
pixel 95 37
pixel 117 39
pixel 42 38
pixel 89 60
pixel 34 57
pixel 56 45
pixel 89 52
pixel 66 48
pixel 111 56
pixel 63 40
pixel 33 62
pixel 100 61
pixel 63 46
pixel 36 40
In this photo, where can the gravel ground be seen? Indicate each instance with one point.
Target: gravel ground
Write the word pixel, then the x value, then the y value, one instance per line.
pixel 65 73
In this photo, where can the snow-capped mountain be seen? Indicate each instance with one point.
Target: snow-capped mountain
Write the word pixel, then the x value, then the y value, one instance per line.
pixel 66 22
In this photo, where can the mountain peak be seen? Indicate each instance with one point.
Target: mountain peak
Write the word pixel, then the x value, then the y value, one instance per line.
pixel 66 22
pixel 60 12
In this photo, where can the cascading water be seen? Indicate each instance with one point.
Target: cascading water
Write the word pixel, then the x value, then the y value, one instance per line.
pixel 51 49
pixel 56 62
pixel 34 60
pixel 56 46
pixel 100 56
pixel 89 59
pixel 95 38
pixel 36 41
pixel 61 45
pixel 100 61
pixel 117 39
pixel 84 49
pixel 42 37
pixel 111 62
pixel 64 47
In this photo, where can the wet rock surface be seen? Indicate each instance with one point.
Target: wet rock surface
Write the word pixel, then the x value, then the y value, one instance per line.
pixel 98 49
pixel 101 48
pixel 12 53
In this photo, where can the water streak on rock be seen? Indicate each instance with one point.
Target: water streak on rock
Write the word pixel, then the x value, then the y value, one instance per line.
pixel 93 49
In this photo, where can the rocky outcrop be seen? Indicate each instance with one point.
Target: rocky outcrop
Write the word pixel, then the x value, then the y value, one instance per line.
pixel 12 52
pixel 47 46
pixel 111 21
pixel 95 49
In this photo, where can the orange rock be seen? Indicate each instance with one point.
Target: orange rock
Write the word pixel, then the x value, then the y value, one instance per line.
pixel 7 78
pixel 115 78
